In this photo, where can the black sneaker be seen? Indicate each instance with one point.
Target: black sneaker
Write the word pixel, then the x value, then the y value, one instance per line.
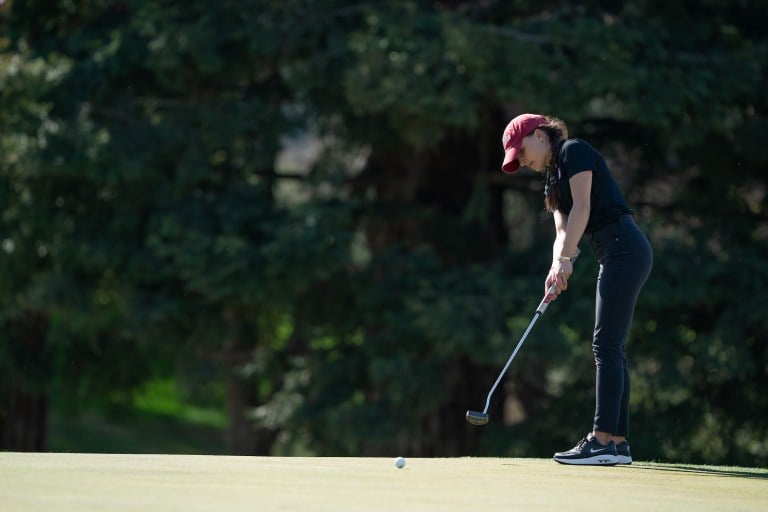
pixel 622 451
pixel 589 452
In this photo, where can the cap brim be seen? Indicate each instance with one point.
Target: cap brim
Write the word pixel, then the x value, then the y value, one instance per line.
pixel 511 163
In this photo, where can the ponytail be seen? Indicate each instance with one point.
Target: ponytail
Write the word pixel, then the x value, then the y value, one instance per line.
pixel 551 191
pixel 557 132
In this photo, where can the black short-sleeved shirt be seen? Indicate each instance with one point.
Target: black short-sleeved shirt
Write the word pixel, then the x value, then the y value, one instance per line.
pixel 607 203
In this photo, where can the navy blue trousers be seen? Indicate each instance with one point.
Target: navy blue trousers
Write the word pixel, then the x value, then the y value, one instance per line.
pixel 625 258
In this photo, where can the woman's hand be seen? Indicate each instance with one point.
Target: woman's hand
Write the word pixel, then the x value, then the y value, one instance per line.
pixel 558 275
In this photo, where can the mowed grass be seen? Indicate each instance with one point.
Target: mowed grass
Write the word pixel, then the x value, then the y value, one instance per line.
pixel 99 482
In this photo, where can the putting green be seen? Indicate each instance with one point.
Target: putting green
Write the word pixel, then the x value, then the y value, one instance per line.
pixel 148 483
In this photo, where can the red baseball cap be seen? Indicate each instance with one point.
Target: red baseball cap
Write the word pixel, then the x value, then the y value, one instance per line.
pixel 519 127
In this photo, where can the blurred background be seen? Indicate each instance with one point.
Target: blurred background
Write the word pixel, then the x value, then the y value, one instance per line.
pixel 280 227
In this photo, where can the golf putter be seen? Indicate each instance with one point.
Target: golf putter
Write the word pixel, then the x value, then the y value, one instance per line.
pixel 481 418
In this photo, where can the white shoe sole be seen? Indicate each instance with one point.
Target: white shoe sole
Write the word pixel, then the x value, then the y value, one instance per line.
pixel 597 460
pixel 623 459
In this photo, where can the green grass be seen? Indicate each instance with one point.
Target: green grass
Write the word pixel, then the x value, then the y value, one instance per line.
pixel 153 419
pixel 103 482
pixel 132 431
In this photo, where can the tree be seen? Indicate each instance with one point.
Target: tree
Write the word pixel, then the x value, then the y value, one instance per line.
pixel 365 311
pixel 426 95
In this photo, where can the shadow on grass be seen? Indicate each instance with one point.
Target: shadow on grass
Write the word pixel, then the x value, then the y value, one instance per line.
pixel 122 430
pixel 760 474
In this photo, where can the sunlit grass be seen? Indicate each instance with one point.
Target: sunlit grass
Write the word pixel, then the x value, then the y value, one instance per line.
pixel 88 482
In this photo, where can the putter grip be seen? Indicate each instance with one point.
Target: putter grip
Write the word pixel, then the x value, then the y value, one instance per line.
pixel 544 304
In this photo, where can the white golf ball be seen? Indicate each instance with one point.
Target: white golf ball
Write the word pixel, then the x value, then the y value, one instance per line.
pixel 400 462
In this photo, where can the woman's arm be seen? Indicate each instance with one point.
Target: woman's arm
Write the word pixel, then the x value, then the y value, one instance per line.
pixel 581 189
pixel 561 226
pixel 568 231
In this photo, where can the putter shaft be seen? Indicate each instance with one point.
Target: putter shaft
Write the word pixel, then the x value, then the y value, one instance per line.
pixel 480 418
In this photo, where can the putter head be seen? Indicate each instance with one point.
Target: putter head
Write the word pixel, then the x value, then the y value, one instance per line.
pixel 477 418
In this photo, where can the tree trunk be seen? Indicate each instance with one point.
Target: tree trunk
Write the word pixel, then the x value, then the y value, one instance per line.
pixel 23 384
pixel 240 434
pixel 243 436
pixel 24 420
pixel 240 438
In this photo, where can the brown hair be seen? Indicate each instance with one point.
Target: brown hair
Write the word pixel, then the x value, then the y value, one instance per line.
pixel 556 131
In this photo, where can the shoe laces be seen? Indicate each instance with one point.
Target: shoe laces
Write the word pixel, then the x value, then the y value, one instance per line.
pixel 581 444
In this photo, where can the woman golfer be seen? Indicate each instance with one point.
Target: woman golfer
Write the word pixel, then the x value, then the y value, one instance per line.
pixel 584 199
